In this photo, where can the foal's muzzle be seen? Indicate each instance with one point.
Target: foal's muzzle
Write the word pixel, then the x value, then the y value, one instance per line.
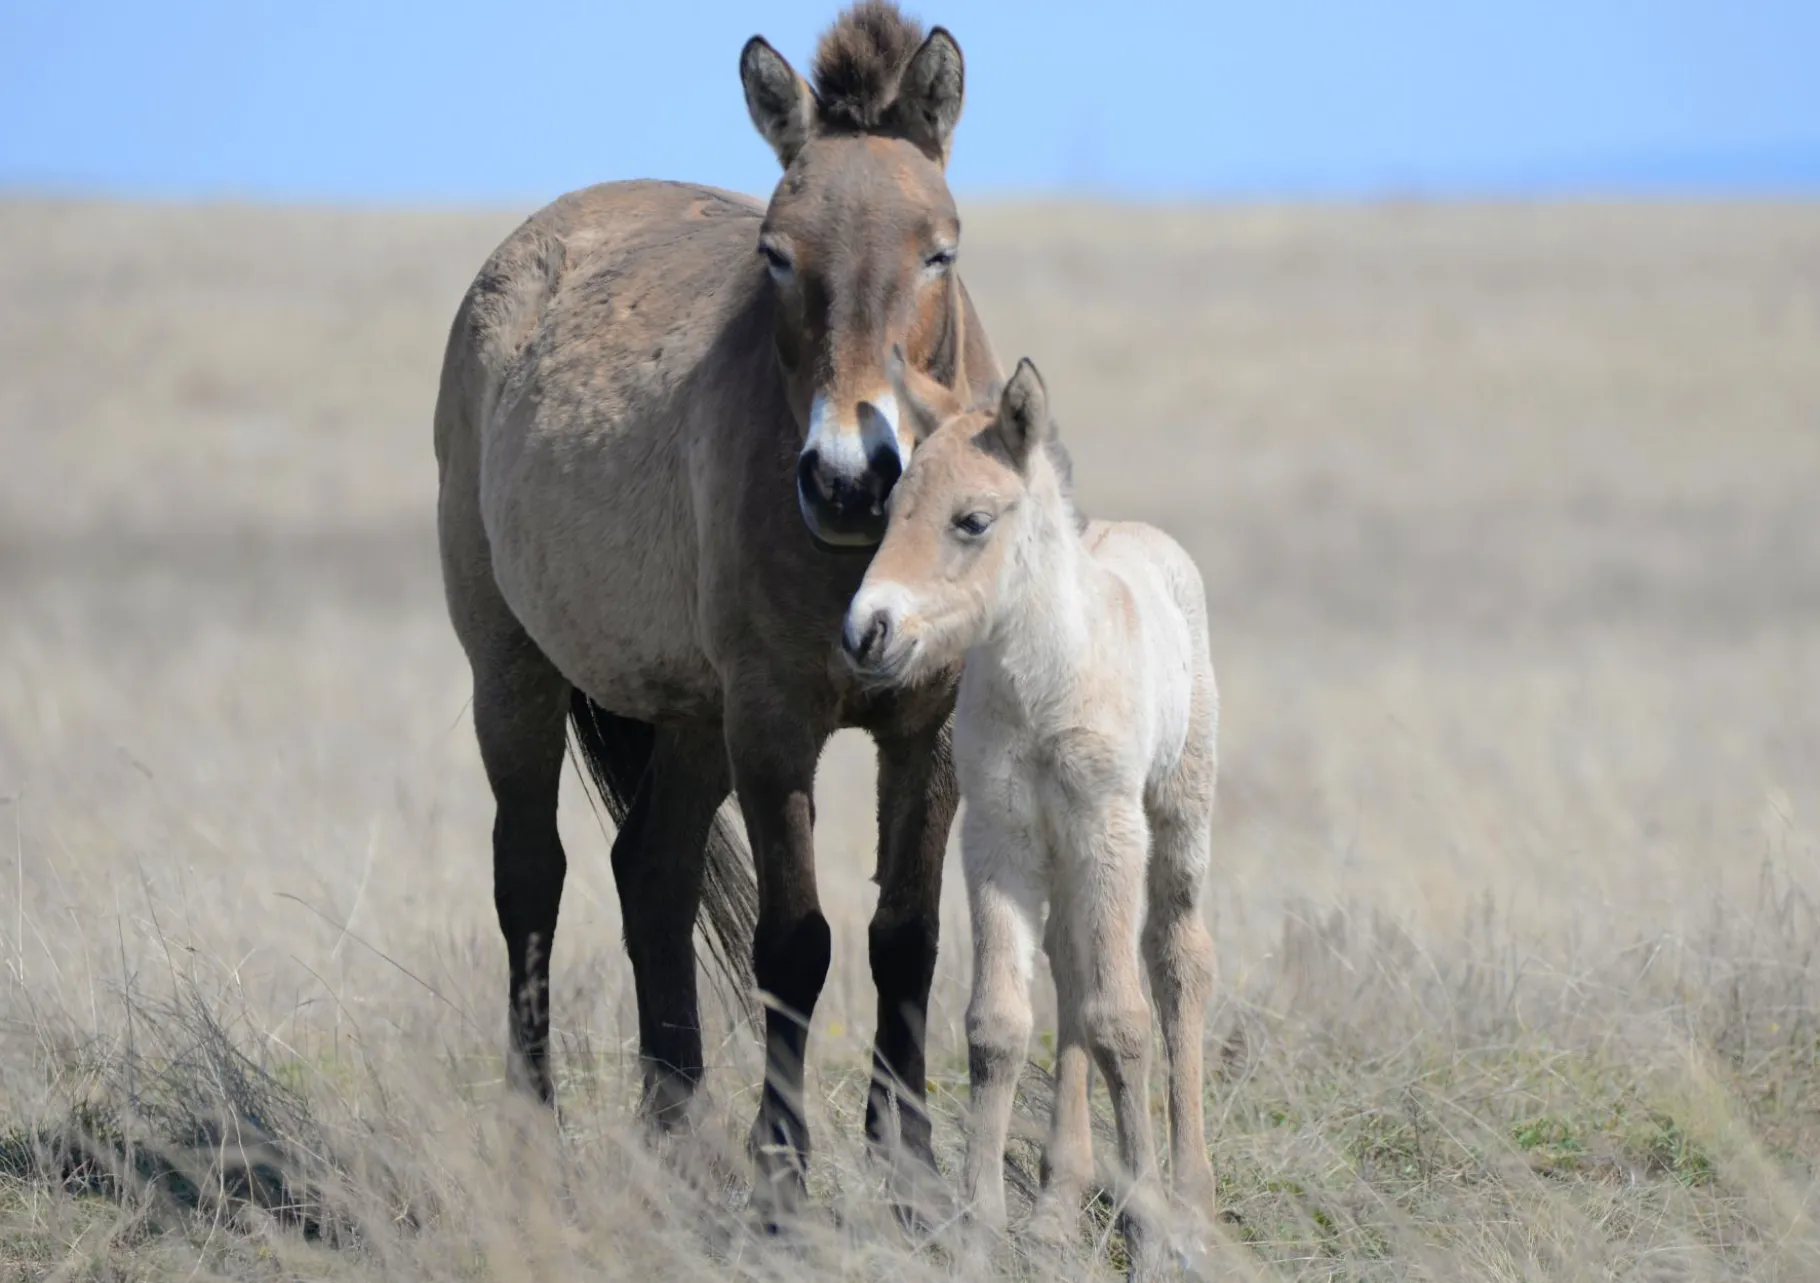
pixel 865 640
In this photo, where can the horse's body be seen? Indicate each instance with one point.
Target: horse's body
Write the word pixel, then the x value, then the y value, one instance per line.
pixel 1085 746
pixel 660 406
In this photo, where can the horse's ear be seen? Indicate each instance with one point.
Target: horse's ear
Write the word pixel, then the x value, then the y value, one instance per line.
pixel 924 403
pixel 1023 413
pixel 780 101
pixel 929 95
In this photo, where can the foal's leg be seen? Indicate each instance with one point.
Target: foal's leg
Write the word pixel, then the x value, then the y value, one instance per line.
pixel 772 745
pixel 1105 881
pixel 1180 956
pixel 1068 1156
pixel 1004 900
pixel 658 860
pixel 917 797
pixel 520 701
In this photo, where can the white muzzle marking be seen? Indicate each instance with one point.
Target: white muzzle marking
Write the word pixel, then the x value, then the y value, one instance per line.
pixel 848 448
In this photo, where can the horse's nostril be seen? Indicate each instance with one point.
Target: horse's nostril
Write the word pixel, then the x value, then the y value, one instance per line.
pixel 809 475
pixel 886 468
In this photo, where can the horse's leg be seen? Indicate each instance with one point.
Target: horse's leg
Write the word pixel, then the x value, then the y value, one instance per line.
pixel 1004 901
pixel 772 747
pixel 658 860
pixel 1068 1155
pixel 1179 953
pixel 1111 849
pixel 917 797
pixel 520 701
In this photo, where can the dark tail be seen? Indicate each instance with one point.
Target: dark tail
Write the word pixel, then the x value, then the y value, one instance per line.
pixel 616 750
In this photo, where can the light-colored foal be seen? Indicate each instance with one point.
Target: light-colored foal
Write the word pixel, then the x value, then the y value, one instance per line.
pixel 1084 743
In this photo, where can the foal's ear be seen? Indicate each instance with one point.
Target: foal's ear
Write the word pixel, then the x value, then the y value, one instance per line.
pixel 780 101
pixel 1023 413
pixel 929 94
pixel 924 403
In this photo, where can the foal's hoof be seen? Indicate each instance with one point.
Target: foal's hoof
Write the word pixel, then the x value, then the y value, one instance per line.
pixel 1150 1255
pixel 1052 1227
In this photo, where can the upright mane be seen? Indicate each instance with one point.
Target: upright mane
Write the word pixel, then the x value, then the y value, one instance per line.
pixel 860 62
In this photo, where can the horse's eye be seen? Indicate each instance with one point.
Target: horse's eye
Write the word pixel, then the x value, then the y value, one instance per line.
pixel 940 261
pixel 973 524
pixel 776 260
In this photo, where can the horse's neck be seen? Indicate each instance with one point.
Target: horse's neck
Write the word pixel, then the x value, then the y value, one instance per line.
pixel 1043 640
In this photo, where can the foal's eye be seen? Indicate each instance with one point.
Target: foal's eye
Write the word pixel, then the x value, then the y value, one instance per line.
pixel 940 261
pixel 973 524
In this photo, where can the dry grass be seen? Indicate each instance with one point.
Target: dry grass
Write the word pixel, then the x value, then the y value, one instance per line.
pixel 1508 524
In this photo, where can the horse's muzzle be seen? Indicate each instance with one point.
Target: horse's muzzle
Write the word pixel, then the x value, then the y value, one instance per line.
pixel 842 508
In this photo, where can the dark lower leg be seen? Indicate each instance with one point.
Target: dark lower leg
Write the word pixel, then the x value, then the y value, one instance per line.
pixel 528 868
pixel 790 962
pixel 519 702
pixel 657 866
pixel 903 964
pixel 917 801
pixel 773 769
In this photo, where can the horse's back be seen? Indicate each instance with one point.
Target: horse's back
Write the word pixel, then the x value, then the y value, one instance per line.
pixel 628 245
pixel 579 371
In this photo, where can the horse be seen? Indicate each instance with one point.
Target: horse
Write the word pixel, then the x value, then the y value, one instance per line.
pixel 665 441
pixel 1085 742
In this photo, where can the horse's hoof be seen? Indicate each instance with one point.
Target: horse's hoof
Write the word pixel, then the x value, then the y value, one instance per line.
pixel 920 1198
pixel 780 1184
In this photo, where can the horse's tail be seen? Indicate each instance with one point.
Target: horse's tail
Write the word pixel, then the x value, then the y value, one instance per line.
pixel 615 750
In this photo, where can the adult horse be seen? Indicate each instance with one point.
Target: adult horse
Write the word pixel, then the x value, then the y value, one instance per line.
pixel 666 435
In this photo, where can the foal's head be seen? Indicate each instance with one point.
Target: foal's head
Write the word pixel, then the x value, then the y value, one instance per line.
pixel 859 242
pixel 988 487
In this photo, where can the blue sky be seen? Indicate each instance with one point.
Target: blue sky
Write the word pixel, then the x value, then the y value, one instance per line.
pixel 461 101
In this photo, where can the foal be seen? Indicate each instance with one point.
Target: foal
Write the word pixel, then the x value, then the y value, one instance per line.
pixel 1084 743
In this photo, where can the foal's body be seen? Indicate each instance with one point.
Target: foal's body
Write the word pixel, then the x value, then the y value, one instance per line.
pixel 1085 748
pixel 1084 745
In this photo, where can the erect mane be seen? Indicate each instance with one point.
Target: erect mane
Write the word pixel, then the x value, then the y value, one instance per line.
pixel 859 62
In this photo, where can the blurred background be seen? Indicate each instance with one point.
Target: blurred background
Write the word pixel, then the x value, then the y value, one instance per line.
pixel 1472 350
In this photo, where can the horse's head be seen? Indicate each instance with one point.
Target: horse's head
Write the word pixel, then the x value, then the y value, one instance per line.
pixel 985 483
pixel 859 242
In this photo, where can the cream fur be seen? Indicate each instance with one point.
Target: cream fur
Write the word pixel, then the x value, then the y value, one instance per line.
pixel 1085 747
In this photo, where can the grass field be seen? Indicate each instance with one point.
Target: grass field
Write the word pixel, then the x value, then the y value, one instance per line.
pixel 1510 521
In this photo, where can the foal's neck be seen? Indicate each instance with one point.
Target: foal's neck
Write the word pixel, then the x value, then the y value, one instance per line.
pixel 1051 596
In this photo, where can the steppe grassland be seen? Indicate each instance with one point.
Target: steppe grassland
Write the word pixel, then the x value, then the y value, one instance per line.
pixel 1507 518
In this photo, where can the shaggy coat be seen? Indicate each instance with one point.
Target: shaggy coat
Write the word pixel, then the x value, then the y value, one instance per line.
pixel 1084 744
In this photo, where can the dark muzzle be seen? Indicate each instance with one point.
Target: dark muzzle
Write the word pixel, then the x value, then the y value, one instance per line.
pixel 846 509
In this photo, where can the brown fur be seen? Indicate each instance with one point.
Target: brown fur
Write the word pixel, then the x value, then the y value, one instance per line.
pixel 627 390
pixel 875 72
pixel 859 62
